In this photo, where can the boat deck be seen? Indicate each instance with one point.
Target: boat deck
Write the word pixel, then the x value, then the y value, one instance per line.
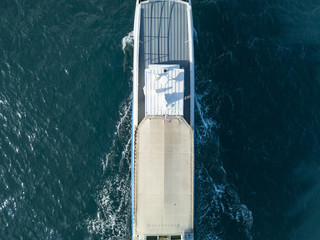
pixel 163 176
pixel 163 121
pixel 164 39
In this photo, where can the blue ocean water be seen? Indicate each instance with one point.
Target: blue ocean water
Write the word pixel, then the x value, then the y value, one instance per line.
pixel 65 119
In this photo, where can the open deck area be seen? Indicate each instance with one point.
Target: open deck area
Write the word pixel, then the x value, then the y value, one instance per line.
pixel 163 197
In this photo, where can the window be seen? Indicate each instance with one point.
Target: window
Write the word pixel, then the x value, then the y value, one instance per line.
pixel 175 237
pixel 152 238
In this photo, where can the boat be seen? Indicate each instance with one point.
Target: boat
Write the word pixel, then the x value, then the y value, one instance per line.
pixel 162 164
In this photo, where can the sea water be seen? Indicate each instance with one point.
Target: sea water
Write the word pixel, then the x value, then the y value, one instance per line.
pixel 65 119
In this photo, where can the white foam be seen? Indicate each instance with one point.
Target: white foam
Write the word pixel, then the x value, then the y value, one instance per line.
pixel 111 220
pixel 124 120
pixel 127 41
pixel 205 129
pixel 125 154
pixel 6 202
pixel 195 36
pixel 209 202
pixel 214 200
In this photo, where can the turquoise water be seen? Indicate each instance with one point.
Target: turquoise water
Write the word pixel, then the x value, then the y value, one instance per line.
pixel 65 119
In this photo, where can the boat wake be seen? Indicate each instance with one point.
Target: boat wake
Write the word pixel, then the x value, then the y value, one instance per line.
pixel 127 41
pixel 207 126
pixel 112 220
pixel 121 135
pixel 218 206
